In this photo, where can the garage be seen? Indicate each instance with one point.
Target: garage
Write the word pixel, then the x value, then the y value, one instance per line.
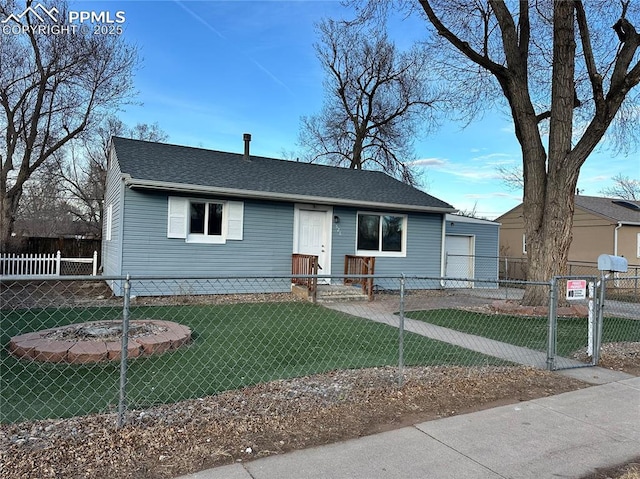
pixel 471 251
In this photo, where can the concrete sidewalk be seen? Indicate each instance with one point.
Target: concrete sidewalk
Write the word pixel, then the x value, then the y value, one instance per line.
pixel 569 435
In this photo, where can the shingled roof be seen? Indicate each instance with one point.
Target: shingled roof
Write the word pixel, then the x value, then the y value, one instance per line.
pixel 168 167
pixel 614 209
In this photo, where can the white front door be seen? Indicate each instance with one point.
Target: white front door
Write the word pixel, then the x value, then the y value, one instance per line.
pixel 313 237
pixel 459 260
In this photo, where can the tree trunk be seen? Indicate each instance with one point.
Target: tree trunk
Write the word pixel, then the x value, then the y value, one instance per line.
pixel 548 243
pixel 8 208
pixel 548 205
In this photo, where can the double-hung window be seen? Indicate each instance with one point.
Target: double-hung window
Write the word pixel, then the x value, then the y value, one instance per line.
pixel 381 234
pixel 205 221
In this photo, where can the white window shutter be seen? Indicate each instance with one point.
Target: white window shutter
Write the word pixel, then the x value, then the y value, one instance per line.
pixel 177 217
pixel 235 220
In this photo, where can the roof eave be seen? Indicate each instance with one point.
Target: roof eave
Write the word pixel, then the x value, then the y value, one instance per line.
pixel 134 183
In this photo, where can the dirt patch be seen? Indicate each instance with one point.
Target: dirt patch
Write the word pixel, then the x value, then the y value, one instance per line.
pixel 623 356
pixel 627 471
pixel 272 418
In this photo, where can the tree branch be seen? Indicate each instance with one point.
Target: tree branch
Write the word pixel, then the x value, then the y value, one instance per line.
pixel 463 47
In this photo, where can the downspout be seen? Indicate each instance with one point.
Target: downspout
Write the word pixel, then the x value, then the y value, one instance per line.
pixel 615 238
pixel 615 246
pixel 442 250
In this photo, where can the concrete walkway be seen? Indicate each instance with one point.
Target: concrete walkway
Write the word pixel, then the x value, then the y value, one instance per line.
pixel 569 436
pixel 490 347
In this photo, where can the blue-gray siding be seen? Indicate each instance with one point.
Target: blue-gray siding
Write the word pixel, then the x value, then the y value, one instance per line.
pixel 114 195
pixel 487 238
pixel 424 238
pixel 140 247
pixel 265 249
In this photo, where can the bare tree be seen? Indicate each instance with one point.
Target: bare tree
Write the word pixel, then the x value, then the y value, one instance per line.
pixel 53 89
pixel 83 170
pixel 564 75
pixel 624 187
pixel 376 100
pixel 511 176
pixel 44 209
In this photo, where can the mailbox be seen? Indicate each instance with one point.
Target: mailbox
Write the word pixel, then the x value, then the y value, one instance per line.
pixel 608 262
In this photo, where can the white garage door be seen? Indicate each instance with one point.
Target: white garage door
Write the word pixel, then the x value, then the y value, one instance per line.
pixel 459 252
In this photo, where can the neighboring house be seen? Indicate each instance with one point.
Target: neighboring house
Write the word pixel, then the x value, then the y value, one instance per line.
pixel 600 226
pixel 471 251
pixel 180 211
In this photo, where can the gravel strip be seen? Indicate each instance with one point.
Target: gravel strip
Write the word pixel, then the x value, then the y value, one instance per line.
pixel 272 418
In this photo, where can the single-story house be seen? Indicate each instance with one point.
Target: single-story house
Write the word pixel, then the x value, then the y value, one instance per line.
pixel 600 226
pixel 471 251
pixel 180 211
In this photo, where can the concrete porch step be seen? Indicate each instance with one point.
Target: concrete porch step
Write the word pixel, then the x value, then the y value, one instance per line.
pixel 332 293
pixel 340 293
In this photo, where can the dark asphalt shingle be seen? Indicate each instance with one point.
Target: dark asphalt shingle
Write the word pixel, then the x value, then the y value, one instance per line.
pixel 149 161
pixel 609 208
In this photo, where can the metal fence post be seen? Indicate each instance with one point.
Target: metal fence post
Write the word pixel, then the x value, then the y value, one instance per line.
pixel 124 351
pixel 553 323
pixel 597 343
pixel 94 270
pixel 401 333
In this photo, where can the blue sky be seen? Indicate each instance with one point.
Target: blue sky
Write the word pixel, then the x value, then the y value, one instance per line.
pixel 213 70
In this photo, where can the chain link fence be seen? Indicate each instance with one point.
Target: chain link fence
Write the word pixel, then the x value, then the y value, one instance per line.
pixel 62 339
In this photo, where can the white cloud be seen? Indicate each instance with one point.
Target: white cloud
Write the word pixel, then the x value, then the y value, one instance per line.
pixel 431 162
pixel 473 174
pixel 492 156
pixel 496 194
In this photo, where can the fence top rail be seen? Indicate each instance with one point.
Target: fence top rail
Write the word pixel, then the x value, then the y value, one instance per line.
pixel 16 278
pixel 578 276
pixel 187 277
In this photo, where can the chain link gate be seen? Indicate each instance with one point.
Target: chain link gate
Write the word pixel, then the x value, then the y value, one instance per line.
pixel 575 322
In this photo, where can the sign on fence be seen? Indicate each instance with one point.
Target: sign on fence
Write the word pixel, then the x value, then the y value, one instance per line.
pixel 576 289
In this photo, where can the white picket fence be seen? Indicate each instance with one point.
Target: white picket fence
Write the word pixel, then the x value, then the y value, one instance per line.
pixel 40 264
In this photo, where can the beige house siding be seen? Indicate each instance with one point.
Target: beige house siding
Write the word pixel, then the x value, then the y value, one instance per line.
pixel 628 238
pixel 593 235
pixel 511 233
pixel 590 241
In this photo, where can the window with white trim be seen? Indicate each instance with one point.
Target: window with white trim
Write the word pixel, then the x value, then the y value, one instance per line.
pixel 638 246
pixel 524 244
pixel 381 234
pixel 204 221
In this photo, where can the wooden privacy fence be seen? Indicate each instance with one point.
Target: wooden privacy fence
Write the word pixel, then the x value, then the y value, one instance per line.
pixel 45 264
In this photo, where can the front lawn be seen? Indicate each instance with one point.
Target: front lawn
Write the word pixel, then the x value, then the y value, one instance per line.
pixel 233 346
pixel 530 332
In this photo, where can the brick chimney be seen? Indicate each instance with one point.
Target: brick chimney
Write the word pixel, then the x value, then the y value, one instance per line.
pixel 247 139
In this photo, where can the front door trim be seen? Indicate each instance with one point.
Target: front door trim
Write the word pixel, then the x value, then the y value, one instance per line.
pixel 327 233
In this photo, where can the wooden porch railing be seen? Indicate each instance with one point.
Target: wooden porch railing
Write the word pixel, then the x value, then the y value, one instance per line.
pixel 363 265
pixel 306 264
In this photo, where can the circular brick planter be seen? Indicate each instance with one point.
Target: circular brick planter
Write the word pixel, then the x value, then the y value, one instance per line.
pixel 56 346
